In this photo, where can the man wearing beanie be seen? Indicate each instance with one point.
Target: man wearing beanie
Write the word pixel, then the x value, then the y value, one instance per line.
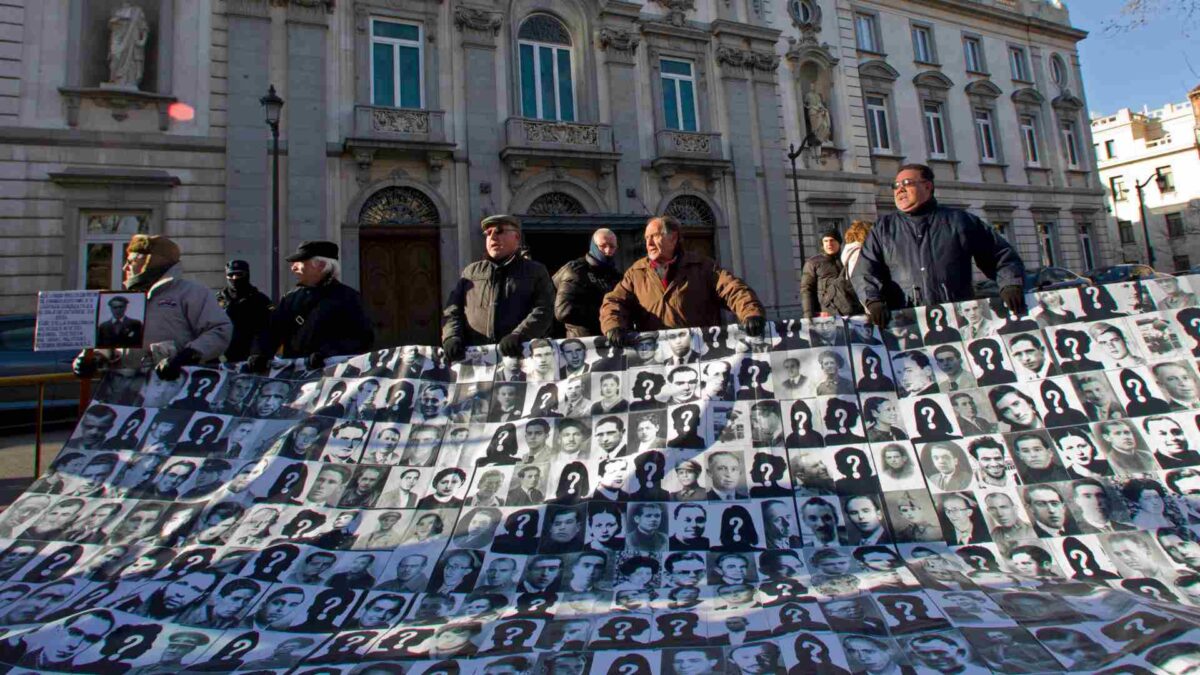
pixel 248 308
pixel 824 287
pixel 505 298
pixel 583 283
pixel 180 314
pixel 320 318
pixel 921 255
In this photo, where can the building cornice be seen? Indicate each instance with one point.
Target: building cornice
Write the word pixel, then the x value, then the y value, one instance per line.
pixel 975 12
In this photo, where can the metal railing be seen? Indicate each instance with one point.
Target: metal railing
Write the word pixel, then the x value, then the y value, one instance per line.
pixel 40 381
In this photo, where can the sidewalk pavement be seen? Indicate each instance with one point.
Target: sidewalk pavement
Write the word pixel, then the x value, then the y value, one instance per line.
pixel 16 460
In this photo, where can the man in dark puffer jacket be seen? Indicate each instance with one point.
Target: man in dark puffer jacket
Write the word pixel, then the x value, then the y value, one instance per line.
pixel 583 283
pixel 922 254
pixel 824 287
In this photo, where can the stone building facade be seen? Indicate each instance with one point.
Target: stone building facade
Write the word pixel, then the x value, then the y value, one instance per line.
pixel 406 121
pixel 1134 149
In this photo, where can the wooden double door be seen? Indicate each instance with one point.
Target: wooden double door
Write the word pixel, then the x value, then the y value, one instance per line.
pixel 400 279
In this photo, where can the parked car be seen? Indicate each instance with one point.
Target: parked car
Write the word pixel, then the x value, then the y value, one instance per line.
pixel 18 358
pixel 1043 279
pixel 1115 274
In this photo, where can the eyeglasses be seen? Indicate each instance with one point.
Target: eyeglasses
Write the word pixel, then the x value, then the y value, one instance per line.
pixel 907 183
pixel 497 232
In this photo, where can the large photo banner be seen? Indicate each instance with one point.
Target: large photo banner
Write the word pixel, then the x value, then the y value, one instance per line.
pixel 966 491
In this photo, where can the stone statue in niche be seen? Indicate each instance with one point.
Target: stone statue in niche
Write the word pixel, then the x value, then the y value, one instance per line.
pixel 819 125
pixel 128 34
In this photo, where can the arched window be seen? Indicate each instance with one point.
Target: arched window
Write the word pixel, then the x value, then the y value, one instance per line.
pixel 692 211
pixel 1058 71
pixel 547 83
pixel 398 206
pixel 556 204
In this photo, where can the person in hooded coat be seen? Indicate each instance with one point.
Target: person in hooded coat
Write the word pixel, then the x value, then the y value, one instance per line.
pixel 183 320
pixel 824 286
pixel 248 308
pixel 582 284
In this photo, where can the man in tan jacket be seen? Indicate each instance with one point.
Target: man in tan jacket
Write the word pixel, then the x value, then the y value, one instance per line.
pixel 673 288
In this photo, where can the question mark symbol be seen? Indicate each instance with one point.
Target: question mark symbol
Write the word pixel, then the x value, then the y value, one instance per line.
pixel 510 633
pixel 351 642
pixel 854 461
pixel 406 637
pixel 754 371
pixel 544 400
pixel 841 416
pixel 930 415
pixel 907 609
pixel 622 627
pixel 1139 625
pixel 872 366
pixel 687 416
pixel 651 470
pixel 1055 399
pixel 239 647
pixel 330 605
pixel 1072 343
pixel 277 557
pixel 793 614
pixel 647 385
pixel 502 438
pixel 988 353
pixel 736 524
pixel 573 479
pixel 767 471
pixel 679 625
pixel 1137 387
pixel 291 480
pixel 801 419
pixel 715 332
pixel 129 643
pixel 1081 558
pixel 628 669
pixel 58 559
pixel 522 521
pixel 1095 293
pixel 936 315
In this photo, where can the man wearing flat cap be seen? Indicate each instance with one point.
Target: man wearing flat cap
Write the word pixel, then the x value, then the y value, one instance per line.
pixel 320 318
pixel 248 308
pixel 506 298
pixel 120 330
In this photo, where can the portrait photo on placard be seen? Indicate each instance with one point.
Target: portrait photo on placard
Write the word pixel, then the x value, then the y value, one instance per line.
pixel 826 331
pixel 728 424
pixel 898 466
pixel 953 366
pixel 120 320
pixel 914 373
pixel 1074 348
pixel 989 362
pixel 1059 402
pixel 902 331
pixel 802 423
pixel 792 334
pixel 882 418
pixel 1160 336
pixel 930 418
pixel 872 368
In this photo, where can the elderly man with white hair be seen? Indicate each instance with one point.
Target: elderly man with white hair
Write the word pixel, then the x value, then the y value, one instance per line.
pixel 320 318
pixel 582 284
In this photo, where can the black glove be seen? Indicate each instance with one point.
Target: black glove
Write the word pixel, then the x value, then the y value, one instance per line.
pixel 454 349
pixel 84 365
pixel 510 346
pixel 620 337
pixel 1014 299
pixel 877 314
pixel 754 326
pixel 257 363
pixel 314 361
pixel 170 369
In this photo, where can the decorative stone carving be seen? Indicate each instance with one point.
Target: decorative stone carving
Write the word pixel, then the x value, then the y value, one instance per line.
pixel 700 144
pixel 400 121
pixel 746 59
pixel 127 37
pixel 399 205
pixel 478 20
pixel 556 204
pixel 692 211
pixel 677 10
pixel 327 5
pixel 765 61
pixel 556 132
pixel 615 39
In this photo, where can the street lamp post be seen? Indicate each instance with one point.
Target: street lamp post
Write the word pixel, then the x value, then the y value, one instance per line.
pixel 272 106
pixel 1161 181
pixel 793 153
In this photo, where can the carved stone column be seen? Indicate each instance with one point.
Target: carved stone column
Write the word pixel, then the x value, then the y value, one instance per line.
pixel 619 40
pixel 479 27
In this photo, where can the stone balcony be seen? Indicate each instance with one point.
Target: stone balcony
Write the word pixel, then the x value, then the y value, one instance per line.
pixel 381 131
pixel 689 151
pixel 533 142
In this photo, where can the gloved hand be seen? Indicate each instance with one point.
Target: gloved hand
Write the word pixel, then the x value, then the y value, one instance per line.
pixel 754 326
pixel 1014 299
pixel 455 349
pixel 314 361
pixel 620 337
pixel 877 314
pixel 257 364
pixel 170 369
pixel 84 365
pixel 510 346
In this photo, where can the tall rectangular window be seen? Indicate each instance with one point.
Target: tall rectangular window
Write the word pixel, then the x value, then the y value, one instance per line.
pixel 1117 185
pixel 1085 244
pixel 1175 227
pixel 973 54
pixel 103 237
pixel 1029 141
pixel 1070 144
pixel 679 94
pixel 1168 178
pixel 866 33
pixel 922 37
pixel 986 135
pixel 877 124
pixel 1019 63
pixel 396 73
pixel 547 91
pixel 1049 254
pixel 1110 149
pixel 935 130
pixel 1125 231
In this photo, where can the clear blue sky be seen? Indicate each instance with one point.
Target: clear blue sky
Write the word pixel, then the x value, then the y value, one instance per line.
pixel 1142 66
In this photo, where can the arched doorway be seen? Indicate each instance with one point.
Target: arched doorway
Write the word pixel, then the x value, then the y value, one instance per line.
pixel 699 223
pixel 556 247
pixel 400 273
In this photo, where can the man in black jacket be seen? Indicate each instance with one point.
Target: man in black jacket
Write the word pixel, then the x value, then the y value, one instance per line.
pixel 505 298
pixel 922 254
pixel 248 308
pixel 824 288
pixel 583 283
pixel 321 318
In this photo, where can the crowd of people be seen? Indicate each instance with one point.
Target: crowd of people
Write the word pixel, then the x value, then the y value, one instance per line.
pixel 921 254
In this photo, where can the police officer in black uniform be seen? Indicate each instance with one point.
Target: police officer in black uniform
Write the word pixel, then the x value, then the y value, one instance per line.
pixel 248 308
